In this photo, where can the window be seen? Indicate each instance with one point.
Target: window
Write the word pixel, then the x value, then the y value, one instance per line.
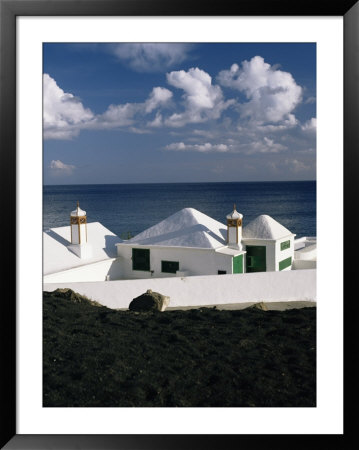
pixel 285 263
pixel 284 245
pixel 140 259
pixel 169 266
pixel 222 272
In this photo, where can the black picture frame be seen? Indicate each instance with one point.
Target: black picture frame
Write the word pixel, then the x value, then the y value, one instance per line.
pixel 9 10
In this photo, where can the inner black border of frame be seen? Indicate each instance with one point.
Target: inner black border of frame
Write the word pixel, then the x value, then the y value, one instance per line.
pixel 9 10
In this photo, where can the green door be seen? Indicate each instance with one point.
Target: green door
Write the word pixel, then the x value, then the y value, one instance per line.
pixel 256 258
pixel 238 264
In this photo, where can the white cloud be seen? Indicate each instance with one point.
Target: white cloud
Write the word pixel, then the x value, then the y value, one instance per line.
pixel 151 57
pixel 203 148
pixel 158 97
pixel 136 130
pixel 59 168
pixel 205 133
pixel 63 113
pixel 265 145
pixel 288 123
pixel 310 125
pixel 296 166
pixel 202 103
pixel 272 94
pixel 124 115
pixel 202 99
pixel 117 116
pixel 156 122
pixel 177 146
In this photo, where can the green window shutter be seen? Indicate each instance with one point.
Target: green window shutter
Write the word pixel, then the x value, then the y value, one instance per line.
pixel 285 263
pixel 140 259
pixel 284 245
pixel 169 266
pixel 238 264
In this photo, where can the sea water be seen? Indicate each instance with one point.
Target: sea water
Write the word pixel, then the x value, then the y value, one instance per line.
pixel 128 209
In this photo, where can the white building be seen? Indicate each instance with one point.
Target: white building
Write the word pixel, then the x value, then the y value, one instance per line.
pixel 185 244
pixel 305 253
pixel 79 252
pixel 269 245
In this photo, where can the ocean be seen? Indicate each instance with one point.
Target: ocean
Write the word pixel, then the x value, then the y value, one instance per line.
pixel 128 209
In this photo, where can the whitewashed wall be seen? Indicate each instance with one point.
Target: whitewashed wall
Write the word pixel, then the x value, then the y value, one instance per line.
pixel 274 255
pixel 204 290
pixel 90 272
pixel 194 261
pixel 284 254
pixel 270 251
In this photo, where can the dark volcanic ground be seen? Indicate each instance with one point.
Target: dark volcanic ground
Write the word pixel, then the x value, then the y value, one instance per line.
pixel 95 356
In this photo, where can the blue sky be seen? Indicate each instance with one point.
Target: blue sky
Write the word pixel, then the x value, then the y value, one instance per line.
pixel 132 113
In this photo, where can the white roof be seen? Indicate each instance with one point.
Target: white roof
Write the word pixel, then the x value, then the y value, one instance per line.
pixel 230 251
pixel 264 227
pixel 186 228
pixel 58 257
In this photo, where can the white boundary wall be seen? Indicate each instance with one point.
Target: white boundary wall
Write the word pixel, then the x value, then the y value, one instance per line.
pixel 298 285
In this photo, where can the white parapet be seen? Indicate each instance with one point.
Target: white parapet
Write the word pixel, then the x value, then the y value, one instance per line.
pixel 304 241
pixel 302 264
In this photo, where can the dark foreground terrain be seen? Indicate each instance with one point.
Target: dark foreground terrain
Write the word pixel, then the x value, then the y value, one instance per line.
pixel 95 356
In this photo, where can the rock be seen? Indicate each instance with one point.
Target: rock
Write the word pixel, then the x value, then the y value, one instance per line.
pixel 260 305
pixel 150 301
pixel 75 297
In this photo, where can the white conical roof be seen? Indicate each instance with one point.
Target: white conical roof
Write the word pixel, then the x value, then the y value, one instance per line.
pixel 234 214
pixel 78 211
pixel 186 228
pixel 264 227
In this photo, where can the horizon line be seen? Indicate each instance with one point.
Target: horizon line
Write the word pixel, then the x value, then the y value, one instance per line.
pixel 181 182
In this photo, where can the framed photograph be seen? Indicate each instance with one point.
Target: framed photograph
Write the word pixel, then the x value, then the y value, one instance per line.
pixel 150 92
